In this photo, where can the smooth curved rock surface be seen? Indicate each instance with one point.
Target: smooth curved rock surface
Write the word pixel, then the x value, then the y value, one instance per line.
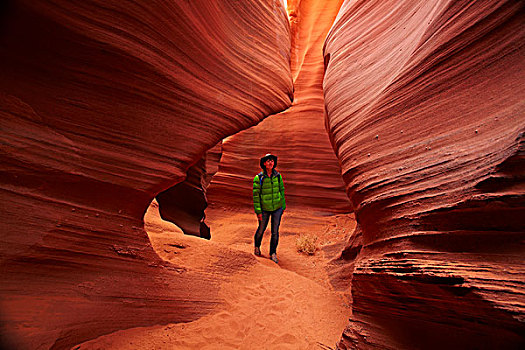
pixel 297 136
pixel 426 112
pixel 104 104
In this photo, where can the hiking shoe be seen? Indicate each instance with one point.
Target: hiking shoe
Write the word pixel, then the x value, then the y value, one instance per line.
pixel 257 251
pixel 274 258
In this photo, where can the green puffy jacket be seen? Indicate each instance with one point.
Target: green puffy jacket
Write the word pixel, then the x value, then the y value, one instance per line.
pixel 269 196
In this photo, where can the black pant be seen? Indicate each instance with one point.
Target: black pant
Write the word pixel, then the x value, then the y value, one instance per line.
pixel 276 221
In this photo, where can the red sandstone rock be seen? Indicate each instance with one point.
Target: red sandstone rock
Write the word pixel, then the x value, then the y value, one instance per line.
pixel 311 172
pixel 425 111
pixel 104 104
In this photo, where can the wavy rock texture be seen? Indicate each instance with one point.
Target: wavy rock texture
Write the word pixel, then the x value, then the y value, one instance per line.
pixel 298 135
pixel 425 104
pixel 104 104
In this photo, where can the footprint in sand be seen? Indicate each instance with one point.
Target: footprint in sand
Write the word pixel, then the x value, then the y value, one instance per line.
pixel 233 325
pixel 282 298
pixel 286 338
pixel 223 315
pixel 248 297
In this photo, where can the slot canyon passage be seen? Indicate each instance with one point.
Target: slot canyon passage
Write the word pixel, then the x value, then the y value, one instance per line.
pixel 131 132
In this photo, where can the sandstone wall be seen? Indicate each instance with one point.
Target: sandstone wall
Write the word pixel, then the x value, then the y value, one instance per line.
pixel 425 104
pixel 104 104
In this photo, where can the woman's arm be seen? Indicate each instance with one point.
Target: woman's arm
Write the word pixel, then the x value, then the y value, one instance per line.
pixel 257 195
pixel 281 190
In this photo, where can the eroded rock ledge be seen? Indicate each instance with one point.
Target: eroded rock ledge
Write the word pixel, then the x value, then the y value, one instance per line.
pixel 425 110
pixel 184 203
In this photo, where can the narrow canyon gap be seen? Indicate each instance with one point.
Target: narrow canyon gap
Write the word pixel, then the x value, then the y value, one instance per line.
pixel 297 136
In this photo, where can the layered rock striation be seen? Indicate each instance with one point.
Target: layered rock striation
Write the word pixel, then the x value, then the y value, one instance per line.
pixel 426 112
pixel 297 136
pixel 105 104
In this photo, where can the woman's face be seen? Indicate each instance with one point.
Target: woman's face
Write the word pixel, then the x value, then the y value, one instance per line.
pixel 269 164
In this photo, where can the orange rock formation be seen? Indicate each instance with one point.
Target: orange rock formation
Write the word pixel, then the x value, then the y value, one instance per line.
pixel 298 135
pixel 425 104
pixel 104 105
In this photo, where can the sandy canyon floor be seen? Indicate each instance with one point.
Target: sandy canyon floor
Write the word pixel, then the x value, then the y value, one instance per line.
pixel 291 305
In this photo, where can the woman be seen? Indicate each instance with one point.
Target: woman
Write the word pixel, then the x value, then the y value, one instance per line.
pixel 268 201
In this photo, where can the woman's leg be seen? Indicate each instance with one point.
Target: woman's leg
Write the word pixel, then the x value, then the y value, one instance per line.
pixel 260 230
pixel 276 221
